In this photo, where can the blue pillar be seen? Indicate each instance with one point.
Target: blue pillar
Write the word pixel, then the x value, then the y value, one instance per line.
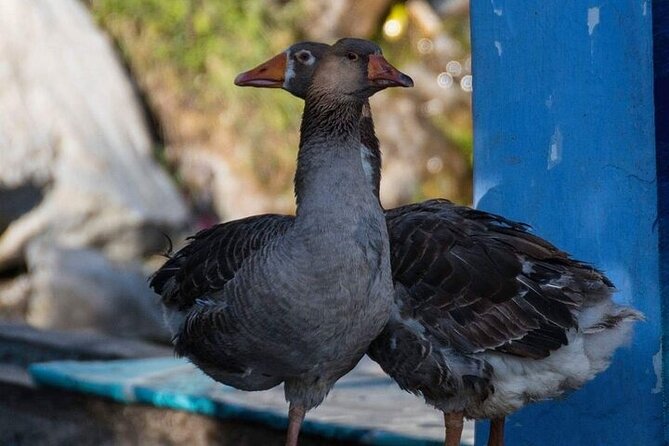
pixel 661 96
pixel 564 137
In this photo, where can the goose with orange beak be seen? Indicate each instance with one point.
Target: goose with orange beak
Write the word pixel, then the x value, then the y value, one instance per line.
pixel 312 292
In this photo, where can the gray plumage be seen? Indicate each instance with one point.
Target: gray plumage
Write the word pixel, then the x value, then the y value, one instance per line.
pixel 304 304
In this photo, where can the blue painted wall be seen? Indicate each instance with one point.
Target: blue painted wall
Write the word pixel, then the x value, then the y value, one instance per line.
pixel 565 140
pixel 661 87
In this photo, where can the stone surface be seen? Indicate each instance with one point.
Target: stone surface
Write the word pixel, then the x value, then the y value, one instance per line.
pixel 82 200
pixel 14 298
pixel 332 20
pixel 21 345
pixel 72 129
pixel 82 289
pixel 407 137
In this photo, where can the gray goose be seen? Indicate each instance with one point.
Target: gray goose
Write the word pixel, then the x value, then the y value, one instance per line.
pixel 478 297
pixel 304 306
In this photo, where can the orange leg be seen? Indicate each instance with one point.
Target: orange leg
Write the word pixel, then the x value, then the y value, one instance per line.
pixel 496 437
pixel 295 417
pixel 453 422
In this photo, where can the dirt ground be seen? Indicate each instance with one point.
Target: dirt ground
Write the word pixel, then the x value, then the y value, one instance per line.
pixel 49 417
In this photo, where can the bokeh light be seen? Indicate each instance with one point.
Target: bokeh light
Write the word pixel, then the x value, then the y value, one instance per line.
pixel 454 67
pixel 392 29
pixel 425 46
pixel 445 80
pixel 466 82
pixel 435 164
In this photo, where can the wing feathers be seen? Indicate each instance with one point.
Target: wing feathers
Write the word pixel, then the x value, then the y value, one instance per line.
pixel 477 281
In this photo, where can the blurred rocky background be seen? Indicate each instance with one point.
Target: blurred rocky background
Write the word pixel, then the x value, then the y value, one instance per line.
pixel 119 123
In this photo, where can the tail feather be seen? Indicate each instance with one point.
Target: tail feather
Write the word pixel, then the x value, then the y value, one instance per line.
pixel 614 319
pixel 604 335
pixel 159 279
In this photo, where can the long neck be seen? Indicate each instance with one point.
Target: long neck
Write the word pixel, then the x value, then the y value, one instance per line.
pixel 327 118
pixel 373 153
pixel 330 177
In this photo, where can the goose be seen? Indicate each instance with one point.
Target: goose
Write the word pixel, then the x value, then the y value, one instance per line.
pixel 487 317
pixel 303 307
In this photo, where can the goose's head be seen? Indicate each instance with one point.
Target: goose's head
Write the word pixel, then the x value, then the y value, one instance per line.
pixel 290 70
pixel 293 69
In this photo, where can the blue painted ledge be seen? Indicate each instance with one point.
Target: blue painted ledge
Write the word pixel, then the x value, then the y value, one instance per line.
pixel 365 406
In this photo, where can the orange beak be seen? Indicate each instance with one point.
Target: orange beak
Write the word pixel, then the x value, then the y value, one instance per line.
pixel 382 74
pixel 270 74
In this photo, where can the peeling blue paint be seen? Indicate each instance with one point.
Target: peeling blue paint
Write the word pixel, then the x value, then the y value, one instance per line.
pixel 498 45
pixel 593 19
pixel 555 149
pixel 657 368
pixel 497 10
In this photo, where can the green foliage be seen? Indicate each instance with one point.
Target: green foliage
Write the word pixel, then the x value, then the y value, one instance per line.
pixel 191 51
pixel 457 130
pixel 190 32
pixel 185 55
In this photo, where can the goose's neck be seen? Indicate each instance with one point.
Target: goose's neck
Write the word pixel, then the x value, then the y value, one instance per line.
pixel 329 119
pixel 330 177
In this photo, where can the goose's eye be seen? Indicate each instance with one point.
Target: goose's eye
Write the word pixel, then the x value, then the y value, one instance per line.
pixel 304 56
pixel 352 56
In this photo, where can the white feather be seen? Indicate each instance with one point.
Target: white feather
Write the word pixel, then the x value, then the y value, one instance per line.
pixel 518 381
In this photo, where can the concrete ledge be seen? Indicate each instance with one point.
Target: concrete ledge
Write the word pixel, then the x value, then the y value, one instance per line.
pixel 365 406
pixel 22 345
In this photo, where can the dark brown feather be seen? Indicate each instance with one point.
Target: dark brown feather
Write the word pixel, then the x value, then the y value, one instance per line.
pixel 212 257
pixel 480 282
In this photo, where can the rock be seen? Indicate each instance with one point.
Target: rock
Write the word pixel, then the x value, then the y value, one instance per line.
pixel 14 297
pixel 16 201
pixel 331 20
pixel 212 180
pixel 406 139
pixel 74 139
pixel 82 200
pixel 74 288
